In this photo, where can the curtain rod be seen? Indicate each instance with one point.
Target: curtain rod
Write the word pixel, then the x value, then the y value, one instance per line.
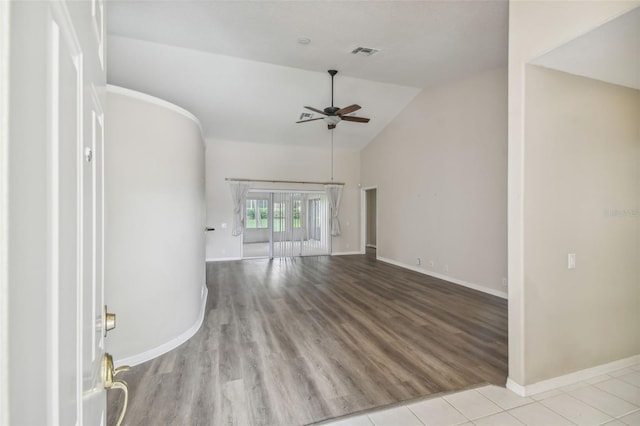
pixel 283 181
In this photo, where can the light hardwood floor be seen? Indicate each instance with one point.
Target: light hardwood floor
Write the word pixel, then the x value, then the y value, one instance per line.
pixel 300 340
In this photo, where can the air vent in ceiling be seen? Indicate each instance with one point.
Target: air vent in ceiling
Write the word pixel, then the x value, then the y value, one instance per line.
pixel 306 116
pixel 365 51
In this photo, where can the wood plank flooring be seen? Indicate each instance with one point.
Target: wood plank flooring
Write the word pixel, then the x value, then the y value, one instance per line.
pixel 297 341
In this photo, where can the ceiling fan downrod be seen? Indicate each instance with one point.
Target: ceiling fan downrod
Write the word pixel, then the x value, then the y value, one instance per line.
pixel 332 73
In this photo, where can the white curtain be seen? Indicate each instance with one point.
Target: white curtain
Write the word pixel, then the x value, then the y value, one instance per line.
pixel 334 195
pixel 239 194
pixel 304 219
pixel 286 241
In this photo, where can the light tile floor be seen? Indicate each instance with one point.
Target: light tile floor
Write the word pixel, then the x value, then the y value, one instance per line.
pixel 612 399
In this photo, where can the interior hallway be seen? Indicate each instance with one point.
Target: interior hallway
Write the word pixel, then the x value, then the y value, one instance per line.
pixel 299 340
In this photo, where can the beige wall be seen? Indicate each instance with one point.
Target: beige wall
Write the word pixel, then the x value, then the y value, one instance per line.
pixel 581 173
pixel 440 173
pixel 281 162
pixel 535 27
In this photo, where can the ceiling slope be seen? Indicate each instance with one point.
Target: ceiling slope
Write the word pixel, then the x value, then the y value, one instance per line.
pixel 247 101
pixel 609 53
pixel 238 67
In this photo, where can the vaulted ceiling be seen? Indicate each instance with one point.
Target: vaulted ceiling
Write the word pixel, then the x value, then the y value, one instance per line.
pixel 609 53
pixel 239 66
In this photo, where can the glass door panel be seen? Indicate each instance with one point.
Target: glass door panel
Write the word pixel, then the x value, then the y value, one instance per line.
pixel 255 238
pixel 286 224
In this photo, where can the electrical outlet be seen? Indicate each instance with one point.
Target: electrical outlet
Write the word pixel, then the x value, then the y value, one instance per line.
pixel 418 261
pixel 571 261
pixel 446 268
pixel 504 282
pixel 431 263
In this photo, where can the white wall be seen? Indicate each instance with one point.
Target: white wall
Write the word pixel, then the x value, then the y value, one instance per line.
pixel 440 173
pixel 535 27
pixel 279 162
pixel 582 174
pixel 154 266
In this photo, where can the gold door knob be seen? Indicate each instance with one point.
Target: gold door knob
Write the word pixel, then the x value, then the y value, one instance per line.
pixel 108 373
pixel 109 321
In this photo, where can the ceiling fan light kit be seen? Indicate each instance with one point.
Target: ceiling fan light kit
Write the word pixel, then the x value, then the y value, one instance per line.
pixel 333 115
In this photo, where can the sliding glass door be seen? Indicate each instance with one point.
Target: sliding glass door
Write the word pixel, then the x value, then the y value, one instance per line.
pixel 256 235
pixel 286 224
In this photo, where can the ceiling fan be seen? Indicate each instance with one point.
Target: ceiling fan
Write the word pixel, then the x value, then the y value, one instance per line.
pixel 333 115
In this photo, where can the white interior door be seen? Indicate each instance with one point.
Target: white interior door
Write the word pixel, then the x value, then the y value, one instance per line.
pixel 76 75
pixel 52 87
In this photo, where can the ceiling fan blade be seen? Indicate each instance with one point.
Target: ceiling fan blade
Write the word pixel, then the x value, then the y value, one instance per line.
pixel 355 119
pixel 311 119
pixel 316 110
pixel 348 110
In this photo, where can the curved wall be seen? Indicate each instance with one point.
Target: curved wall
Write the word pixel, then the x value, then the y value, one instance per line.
pixel 155 219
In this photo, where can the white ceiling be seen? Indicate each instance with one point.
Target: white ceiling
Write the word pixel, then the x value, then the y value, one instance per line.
pixel 238 67
pixel 608 53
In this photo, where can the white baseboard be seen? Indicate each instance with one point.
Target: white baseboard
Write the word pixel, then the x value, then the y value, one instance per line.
pixel 345 253
pixel 171 344
pixel 222 259
pixel 571 378
pixel 478 287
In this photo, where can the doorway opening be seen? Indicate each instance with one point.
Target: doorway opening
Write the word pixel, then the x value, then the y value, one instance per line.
pixel 369 239
pixel 286 224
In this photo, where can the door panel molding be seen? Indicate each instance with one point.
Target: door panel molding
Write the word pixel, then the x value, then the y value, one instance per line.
pixel 65 131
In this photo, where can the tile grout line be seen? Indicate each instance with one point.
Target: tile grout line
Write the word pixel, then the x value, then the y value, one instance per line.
pixel 593 385
pixel 629 413
pixel 614 395
pixel 564 392
pixel 598 409
pixel 415 415
pixel 570 396
pixel 454 407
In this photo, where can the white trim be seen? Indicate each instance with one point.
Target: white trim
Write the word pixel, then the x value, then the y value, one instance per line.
pixel 53 225
pixel 223 259
pixel 155 101
pixel 171 344
pixel 5 25
pixel 79 63
pixel 61 32
pixel 571 378
pixel 473 286
pixel 345 253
